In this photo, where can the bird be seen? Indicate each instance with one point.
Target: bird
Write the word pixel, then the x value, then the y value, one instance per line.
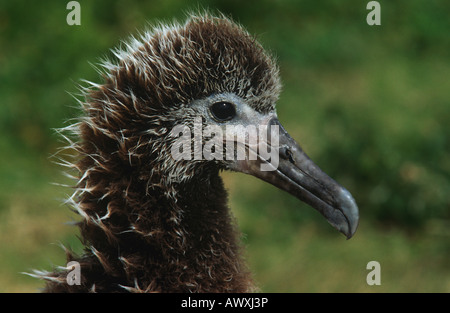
pixel 154 221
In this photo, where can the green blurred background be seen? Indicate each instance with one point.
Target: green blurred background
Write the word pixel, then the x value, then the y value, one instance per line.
pixel 370 104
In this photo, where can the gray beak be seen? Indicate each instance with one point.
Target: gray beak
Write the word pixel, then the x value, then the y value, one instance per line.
pixel 298 175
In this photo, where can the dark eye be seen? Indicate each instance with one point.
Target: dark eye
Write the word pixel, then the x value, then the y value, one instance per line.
pixel 223 111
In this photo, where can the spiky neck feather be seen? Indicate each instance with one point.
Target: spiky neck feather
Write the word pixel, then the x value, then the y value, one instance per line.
pixel 143 239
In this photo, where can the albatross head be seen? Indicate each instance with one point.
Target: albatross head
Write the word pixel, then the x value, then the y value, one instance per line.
pixel 205 93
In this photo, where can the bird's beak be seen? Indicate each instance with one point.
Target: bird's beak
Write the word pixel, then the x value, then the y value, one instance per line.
pixel 295 173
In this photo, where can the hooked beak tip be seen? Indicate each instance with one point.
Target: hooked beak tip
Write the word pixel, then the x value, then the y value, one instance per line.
pixel 348 208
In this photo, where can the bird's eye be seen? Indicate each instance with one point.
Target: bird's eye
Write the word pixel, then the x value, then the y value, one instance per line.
pixel 223 111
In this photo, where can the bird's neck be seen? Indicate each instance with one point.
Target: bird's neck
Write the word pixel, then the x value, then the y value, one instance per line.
pixel 140 238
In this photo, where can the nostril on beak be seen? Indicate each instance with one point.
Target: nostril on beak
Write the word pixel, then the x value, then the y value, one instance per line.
pixel 286 154
pixel 289 154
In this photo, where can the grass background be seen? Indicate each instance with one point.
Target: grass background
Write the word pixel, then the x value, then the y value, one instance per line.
pixel 370 104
